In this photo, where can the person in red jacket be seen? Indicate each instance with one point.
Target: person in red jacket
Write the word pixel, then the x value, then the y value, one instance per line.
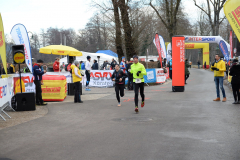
pixel 56 65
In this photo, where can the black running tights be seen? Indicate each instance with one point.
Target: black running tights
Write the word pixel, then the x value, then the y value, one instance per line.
pixel 119 88
pixel 136 87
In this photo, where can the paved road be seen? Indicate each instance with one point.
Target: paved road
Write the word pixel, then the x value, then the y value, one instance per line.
pixel 172 126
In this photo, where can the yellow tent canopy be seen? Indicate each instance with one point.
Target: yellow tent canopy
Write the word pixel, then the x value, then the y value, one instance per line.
pixel 60 50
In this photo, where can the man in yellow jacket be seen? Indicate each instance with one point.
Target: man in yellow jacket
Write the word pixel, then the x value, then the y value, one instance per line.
pixel 219 68
pixel 77 78
pixel 138 71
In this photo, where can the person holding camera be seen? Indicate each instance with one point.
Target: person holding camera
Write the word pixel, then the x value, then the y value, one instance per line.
pixel 219 68
pixel 118 76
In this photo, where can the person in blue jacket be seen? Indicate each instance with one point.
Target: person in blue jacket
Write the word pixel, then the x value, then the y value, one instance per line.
pixel 37 73
pixel 83 66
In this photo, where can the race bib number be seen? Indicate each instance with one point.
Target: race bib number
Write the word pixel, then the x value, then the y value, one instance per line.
pixel 138 80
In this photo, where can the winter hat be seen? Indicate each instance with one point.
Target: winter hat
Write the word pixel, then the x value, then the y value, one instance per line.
pixel 39 61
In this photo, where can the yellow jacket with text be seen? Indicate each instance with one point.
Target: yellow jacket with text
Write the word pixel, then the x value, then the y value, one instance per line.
pixel 222 68
pixel 75 78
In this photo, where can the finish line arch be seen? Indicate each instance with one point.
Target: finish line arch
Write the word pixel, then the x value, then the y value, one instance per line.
pixel 204 46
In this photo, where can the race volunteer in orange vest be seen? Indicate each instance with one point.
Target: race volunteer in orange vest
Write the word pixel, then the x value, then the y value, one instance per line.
pixel 77 78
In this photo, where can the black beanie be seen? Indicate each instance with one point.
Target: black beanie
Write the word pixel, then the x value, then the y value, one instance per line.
pixel 39 61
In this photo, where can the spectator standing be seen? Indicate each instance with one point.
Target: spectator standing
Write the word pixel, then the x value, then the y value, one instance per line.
pixel 219 68
pixel 56 65
pixel 198 64
pixel 123 65
pixel 37 73
pixel 95 65
pixel 170 68
pixel 88 72
pixel 187 73
pixel 130 75
pixel 77 78
pixel 190 64
pixel 235 73
pixel 113 63
pixel 164 63
pixel 83 66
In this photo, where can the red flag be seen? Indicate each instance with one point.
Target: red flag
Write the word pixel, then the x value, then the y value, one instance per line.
pixel 157 42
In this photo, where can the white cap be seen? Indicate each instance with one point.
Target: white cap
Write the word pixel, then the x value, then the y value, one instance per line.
pixel 131 59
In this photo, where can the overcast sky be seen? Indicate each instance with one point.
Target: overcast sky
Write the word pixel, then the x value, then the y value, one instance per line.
pixel 37 14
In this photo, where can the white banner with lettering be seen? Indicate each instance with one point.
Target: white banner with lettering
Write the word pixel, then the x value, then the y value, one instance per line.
pixel 100 78
pixel 5 90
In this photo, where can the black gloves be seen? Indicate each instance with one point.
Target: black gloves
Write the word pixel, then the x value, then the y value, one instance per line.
pixel 138 73
pixel 217 69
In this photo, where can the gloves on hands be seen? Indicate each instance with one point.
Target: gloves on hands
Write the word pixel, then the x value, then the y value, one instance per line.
pixel 217 69
pixel 138 73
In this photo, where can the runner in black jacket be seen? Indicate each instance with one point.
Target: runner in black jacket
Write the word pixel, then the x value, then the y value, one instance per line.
pixel 118 76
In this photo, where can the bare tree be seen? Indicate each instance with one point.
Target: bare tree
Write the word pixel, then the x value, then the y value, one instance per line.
pixel 169 19
pixel 214 20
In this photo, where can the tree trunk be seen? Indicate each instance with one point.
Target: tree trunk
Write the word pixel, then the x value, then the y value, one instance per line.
pixel 130 51
pixel 118 39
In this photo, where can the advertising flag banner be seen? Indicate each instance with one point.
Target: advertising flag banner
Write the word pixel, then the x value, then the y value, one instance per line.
pixel 224 49
pixel 232 12
pixel 231 46
pixel 20 36
pixel 3 46
pixel 157 43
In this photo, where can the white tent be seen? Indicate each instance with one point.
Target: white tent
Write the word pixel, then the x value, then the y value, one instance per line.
pixel 103 57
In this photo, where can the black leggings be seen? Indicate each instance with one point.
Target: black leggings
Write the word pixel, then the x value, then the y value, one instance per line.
pixel 186 77
pixel 235 89
pixel 136 87
pixel 88 78
pixel 77 96
pixel 119 87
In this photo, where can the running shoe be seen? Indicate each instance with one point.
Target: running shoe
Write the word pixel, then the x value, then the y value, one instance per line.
pixel 142 104
pixel 136 109
pixel 87 89
pixel 119 104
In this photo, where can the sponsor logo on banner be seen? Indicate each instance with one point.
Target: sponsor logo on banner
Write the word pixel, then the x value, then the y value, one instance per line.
pixel 160 76
pixel 51 90
pixel 3 91
pixel 224 49
pixel 236 14
pixel 1 39
pixel 151 76
pixel 27 83
pixel 20 36
pixel 100 78
pixel 18 58
pixel 198 39
pixel 189 45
